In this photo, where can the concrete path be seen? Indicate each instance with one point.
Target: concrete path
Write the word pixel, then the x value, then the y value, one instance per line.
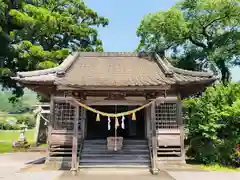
pixel 12 163
pixel 169 175
pixel 115 175
pixel 204 175
pixel 14 166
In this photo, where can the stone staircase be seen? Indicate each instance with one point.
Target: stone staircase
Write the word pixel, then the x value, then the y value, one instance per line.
pixel 134 153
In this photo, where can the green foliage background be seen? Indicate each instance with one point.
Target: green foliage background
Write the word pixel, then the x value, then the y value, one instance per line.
pixel 213 122
pixel 22 107
pixel 197 32
pixel 28 100
pixel 40 34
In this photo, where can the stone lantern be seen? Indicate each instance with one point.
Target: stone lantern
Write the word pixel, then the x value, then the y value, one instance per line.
pixel 22 132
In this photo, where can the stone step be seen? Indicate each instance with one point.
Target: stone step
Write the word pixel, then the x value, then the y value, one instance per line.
pixel 52 158
pixel 169 149
pixel 126 140
pixel 133 153
pixel 113 161
pixel 104 148
pixel 132 146
pixel 62 153
pixel 109 170
pixel 169 153
pixel 170 159
pixel 123 151
pixel 61 149
pixel 113 158
pixel 57 165
pixel 124 144
pixel 114 165
pixel 107 155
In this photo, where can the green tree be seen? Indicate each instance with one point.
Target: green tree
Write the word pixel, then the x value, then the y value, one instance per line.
pixel 196 31
pixel 40 34
pixel 213 123
pixel 27 101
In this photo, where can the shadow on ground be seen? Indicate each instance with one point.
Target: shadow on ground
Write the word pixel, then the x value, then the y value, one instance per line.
pixel 38 161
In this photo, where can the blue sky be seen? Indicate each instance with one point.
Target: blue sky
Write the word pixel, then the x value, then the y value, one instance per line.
pixel 125 17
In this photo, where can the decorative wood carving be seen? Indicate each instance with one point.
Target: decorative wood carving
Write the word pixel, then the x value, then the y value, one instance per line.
pixel 151 95
pixel 81 96
pixel 116 96
pixel 67 93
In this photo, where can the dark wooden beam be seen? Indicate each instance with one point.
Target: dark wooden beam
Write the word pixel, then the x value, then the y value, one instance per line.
pixel 74 167
pixel 83 121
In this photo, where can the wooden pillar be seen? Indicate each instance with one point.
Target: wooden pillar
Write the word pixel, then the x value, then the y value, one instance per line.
pixel 181 127
pixel 51 121
pixel 74 167
pixel 37 126
pixel 83 121
pixel 148 121
pixel 154 139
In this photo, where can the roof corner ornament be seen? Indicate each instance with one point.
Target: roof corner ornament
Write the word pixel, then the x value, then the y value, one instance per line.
pixel 164 65
pixel 60 73
pixel 211 66
pixel 165 93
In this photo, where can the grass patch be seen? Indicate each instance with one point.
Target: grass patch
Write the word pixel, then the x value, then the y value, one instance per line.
pixel 219 168
pixel 5 147
pixel 216 167
pixel 43 145
pixel 12 135
pixel 7 137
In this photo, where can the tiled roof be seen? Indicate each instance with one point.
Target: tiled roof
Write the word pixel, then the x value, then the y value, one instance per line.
pixel 114 69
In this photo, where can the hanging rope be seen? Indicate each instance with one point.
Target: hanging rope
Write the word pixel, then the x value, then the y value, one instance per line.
pixel 39 112
pixel 46 121
pixel 114 114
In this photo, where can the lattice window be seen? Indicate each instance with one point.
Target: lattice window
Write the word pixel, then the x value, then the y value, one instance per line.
pixel 166 116
pixel 64 114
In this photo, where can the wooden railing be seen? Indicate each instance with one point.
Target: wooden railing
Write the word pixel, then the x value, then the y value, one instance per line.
pixel 75 145
pixel 80 150
pixel 152 141
pixel 77 148
pixel 150 148
pixel 74 166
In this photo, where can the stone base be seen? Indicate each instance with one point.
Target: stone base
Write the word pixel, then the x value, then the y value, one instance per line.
pixel 171 164
pixel 20 145
pixel 74 172
pixel 58 163
pixel 114 143
pixel 154 171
